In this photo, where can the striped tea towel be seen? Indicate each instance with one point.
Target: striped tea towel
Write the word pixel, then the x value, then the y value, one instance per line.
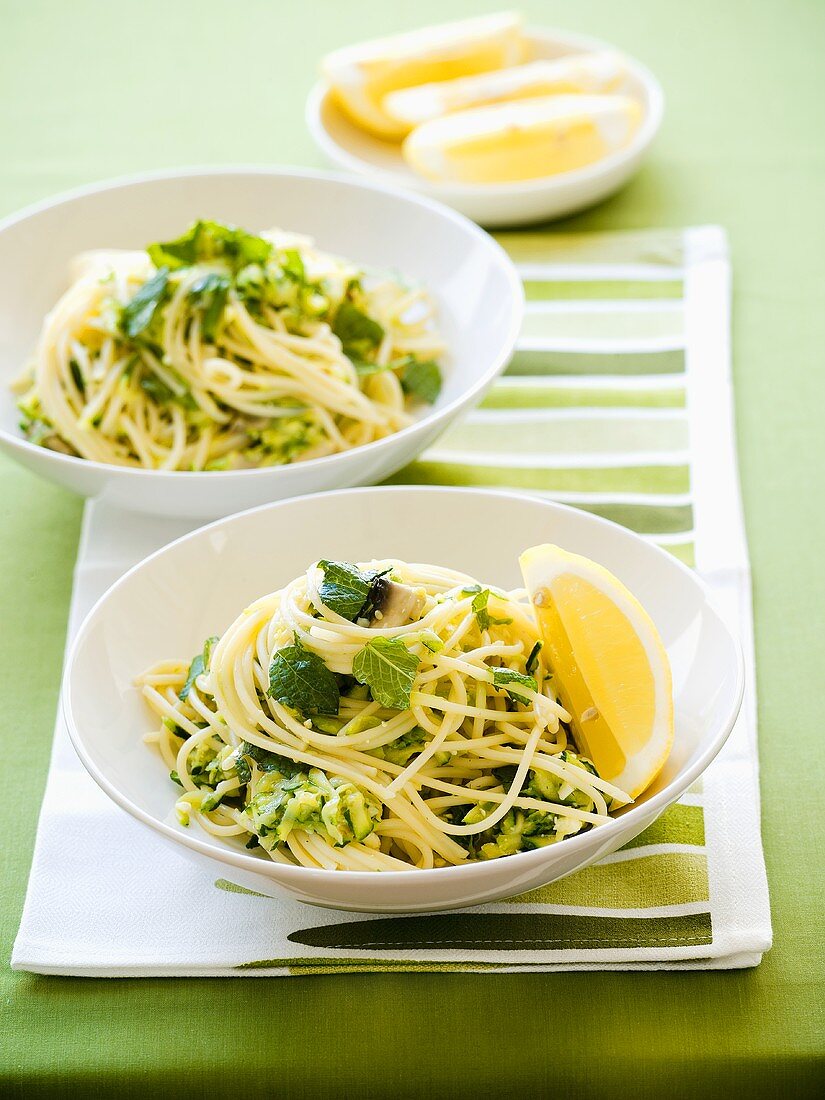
pixel 618 401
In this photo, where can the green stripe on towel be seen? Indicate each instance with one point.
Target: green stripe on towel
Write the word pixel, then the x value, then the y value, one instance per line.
pixel 613 479
pixel 684 551
pixel 509 395
pixel 677 825
pixel 645 519
pixel 544 361
pixel 671 878
pixel 591 321
pixel 547 437
pixel 571 290
pixel 634 246
pixel 532 931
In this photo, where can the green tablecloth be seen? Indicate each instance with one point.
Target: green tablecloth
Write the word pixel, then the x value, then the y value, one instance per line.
pixel 94 89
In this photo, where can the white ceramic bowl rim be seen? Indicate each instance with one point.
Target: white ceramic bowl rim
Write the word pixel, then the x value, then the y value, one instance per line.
pixel 430 417
pixel 296 875
pixel 641 139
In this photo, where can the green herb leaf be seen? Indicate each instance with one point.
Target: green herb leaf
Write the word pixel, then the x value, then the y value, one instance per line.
pixel 293 265
pixel 533 659
pixel 266 761
pixel 299 678
pixel 345 589
pixel 140 310
pixel 483 616
pixel 421 378
pixel 77 376
pixel 200 664
pixel 156 388
pixel 208 294
pixel 388 668
pixel 358 333
pixel 503 677
pixel 205 241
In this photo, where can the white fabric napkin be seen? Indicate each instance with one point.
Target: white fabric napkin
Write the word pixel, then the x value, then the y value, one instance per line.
pixel 108 897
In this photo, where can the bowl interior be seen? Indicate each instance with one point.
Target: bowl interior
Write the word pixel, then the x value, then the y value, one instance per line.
pixel 357 150
pixel 473 283
pixel 197 586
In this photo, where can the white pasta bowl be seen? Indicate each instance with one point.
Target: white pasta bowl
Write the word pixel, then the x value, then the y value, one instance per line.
pixel 478 295
pixel 498 204
pixel 197 586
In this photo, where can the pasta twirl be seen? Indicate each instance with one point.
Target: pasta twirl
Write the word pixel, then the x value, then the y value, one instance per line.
pixel 223 350
pixel 383 716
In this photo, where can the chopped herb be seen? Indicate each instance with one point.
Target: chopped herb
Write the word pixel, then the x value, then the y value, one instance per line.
pixel 347 590
pixel 484 618
pixel 156 388
pixel 77 376
pixel 293 265
pixel 299 678
pixel 502 677
pixel 140 310
pixel 266 761
pixel 205 241
pixel 209 295
pixel 175 778
pixel 388 668
pixel 533 659
pixel 253 842
pixel 243 768
pixel 421 378
pixel 359 334
pixel 200 663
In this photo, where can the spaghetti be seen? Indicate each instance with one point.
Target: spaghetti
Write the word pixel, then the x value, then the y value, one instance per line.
pixel 377 717
pixel 223 350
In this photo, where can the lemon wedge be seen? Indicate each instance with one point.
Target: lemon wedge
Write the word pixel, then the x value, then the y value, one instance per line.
pixel 585 73
pixel 611 670
pixel 362 75
pixel 522 140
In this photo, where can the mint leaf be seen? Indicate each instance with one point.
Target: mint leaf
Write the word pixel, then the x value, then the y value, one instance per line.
pixel 421 378
pixel 208 294
pixel 266 761
pixel 293 265
pixel 503 677
pixel 344 588
pixel 347 590
pixel 205 241
pixel 200 663
pixel 299 678
pixel 140 310
pixel 358 333
pixel 533 659
pixel 388 669
pixel 483 616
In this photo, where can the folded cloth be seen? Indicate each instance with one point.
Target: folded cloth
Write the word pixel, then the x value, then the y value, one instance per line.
pixel 618 401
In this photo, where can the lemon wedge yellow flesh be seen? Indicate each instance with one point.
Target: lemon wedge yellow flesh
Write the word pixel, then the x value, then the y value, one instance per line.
pixel 610 668
pixel 585 73
pixel 523 139
pixel 361 76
